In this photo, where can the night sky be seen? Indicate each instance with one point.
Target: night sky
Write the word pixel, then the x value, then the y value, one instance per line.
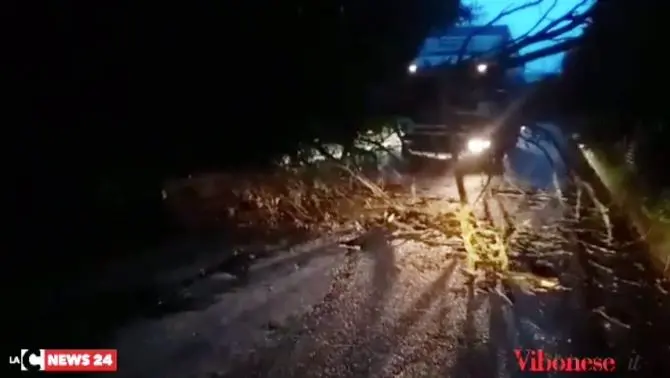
pixel 520 22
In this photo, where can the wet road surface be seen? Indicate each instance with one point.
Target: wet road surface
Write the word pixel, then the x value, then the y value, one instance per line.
pixel 387 308
pixel 394 309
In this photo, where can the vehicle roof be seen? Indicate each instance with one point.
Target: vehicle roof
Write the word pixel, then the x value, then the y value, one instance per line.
pixel 464 31
pixel 444 45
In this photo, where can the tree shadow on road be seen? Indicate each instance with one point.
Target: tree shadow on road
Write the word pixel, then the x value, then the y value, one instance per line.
pixel 491 353
pixel 368 316
pixel 369 342
pixel 474 359
pixel 385 271
pixel 276 360
pixel 399 332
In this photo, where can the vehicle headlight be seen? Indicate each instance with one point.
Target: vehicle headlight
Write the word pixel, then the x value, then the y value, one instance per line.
pixel 482 68
pixel 477 145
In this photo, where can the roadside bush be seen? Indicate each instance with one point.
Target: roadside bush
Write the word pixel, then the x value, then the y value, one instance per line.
pixel 287 201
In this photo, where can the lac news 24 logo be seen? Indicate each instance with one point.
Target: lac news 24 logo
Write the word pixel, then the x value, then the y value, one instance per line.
pixel 66 360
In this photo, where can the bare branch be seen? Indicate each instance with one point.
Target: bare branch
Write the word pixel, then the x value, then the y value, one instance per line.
pixel 382 148
pixel 552 30
pixel 566 16
pixel 540 21
pixel 541 53
pixel 547 35
pixel 504 13
pixel 515 48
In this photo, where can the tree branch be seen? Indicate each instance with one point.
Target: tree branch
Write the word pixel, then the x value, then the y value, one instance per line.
pixel 541 53
pixel 502 14
pixel 540 21
pixel 551 31
pixel 383 148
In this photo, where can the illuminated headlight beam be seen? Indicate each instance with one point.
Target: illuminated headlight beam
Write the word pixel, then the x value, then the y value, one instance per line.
pixel 476 145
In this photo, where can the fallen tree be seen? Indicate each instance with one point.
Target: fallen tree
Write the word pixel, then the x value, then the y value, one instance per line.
pixel 559 30
pixel 620 119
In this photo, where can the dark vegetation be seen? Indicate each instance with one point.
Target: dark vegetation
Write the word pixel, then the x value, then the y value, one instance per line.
pixel 612 91
pixel 614 83
pixel 123 97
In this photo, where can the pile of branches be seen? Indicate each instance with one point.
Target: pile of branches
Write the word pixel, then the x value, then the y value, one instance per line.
pixel 310 201
pixel 288 201
pixel 307 196
pixel 319 188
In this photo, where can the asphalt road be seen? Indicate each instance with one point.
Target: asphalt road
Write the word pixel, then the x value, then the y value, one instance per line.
pixel 388 308
pixel 393 309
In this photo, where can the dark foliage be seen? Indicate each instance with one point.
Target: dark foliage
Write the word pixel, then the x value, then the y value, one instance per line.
pixel 616 80
pixel 176 86
pixel 124 95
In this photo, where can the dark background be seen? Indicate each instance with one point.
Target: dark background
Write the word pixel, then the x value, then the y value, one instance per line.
pixel 119 97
